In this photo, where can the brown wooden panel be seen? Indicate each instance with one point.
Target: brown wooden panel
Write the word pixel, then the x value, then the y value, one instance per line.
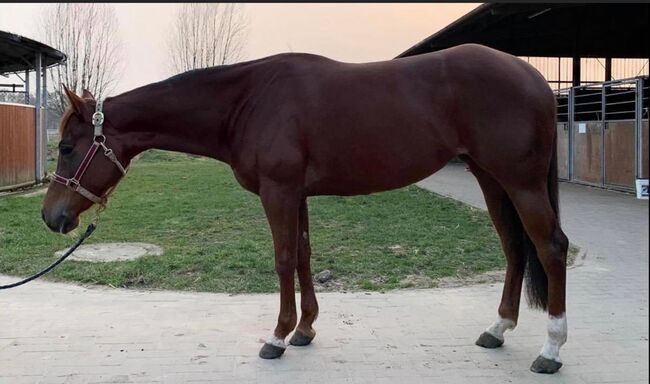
pixel 587 152
pixel 644 150
pixel 563 150
pixel 17 138
pixel 620 138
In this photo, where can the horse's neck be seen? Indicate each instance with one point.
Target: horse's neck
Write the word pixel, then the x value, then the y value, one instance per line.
pixel 189 115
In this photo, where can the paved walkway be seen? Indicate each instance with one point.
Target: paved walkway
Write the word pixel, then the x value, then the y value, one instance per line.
pixel 58 333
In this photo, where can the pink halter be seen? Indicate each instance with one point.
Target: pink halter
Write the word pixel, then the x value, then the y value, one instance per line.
pixel 98 141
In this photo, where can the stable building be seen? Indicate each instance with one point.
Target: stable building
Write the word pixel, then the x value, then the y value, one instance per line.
pixel 23 140
pixel 595 57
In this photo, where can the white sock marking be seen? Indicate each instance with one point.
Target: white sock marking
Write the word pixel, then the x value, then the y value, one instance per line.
pixel 555 338
pixel 500 326
pixel 276 341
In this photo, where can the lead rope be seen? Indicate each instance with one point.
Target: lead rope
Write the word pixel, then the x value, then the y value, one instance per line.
pixel 89 230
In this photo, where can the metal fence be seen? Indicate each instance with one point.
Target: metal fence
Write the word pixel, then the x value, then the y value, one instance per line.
pixel 603 133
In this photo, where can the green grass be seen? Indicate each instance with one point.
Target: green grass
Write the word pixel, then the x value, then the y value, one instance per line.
pixel 216 238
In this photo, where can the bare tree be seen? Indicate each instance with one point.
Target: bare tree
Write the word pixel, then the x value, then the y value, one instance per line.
pixel 88 34
pixel 205 35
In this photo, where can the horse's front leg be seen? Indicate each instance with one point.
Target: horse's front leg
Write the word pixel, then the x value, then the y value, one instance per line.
pixel 281 204
pixel 309 306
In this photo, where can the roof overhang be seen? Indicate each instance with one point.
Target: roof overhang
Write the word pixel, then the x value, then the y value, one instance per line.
pixel 550 30
pixel 18 53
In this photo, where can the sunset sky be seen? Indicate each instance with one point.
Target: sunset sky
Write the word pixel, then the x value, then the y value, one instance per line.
pixel 346 32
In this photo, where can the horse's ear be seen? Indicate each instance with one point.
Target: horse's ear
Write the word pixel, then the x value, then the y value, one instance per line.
pixel 87 95
pixel 76 102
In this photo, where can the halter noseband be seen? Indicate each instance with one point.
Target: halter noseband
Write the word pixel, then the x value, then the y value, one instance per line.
pixel 99 140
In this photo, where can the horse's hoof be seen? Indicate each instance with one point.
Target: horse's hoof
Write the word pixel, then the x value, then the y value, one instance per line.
pixel 299 339
pixel 544 365
pixel 487 340
pixel 270 351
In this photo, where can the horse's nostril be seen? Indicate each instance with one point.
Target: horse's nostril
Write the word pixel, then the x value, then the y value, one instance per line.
pixel 63 222
pixel 66 223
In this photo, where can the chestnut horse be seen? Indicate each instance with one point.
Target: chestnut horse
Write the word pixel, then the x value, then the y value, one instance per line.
pixel 298 125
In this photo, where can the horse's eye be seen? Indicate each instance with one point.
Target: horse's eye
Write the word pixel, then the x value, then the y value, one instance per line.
pixel 65 149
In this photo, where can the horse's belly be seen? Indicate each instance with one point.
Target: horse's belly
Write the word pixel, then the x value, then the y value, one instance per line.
pixel 360 173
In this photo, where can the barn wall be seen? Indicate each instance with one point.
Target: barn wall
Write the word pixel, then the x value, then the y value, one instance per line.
pixel 17 137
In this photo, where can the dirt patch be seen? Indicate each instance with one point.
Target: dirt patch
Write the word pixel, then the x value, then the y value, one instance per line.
pixel 575 258
pixel 489 277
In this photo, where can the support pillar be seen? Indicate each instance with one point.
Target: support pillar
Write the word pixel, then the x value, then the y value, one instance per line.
pixel 576 71
pixel 27 86
pixel 40 143
pixel 44 118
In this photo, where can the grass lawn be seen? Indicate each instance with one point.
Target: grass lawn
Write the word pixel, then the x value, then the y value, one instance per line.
pixel 215 235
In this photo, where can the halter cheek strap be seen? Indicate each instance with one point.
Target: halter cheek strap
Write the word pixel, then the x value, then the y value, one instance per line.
pixel 99 141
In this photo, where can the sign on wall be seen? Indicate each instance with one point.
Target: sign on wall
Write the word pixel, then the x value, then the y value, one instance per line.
pixel 642 189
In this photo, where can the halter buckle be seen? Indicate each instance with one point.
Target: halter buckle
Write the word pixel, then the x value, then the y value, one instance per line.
pixel 72 183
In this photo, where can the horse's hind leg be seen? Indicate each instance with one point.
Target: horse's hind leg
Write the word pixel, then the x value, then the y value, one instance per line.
pixel 542 225
pixel 511 232
pixel 304 333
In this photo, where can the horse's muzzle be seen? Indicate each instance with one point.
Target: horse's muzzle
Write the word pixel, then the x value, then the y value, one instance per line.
pixel 62 222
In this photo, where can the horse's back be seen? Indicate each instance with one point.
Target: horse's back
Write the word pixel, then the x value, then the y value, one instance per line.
pixel 367 127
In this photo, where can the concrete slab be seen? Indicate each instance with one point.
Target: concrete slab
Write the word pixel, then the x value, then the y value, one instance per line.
pixel 106 252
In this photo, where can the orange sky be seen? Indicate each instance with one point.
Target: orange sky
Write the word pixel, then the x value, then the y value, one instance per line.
pixel 347 32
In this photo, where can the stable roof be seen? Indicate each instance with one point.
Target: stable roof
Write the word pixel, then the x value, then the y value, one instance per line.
pixel 549 30
pixel 18 53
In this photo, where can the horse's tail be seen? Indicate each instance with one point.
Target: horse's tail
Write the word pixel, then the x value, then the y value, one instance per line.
pixel 553 189
pixel 536 281
pixel 536 284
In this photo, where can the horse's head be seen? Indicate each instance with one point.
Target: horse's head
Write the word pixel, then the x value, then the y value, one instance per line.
pixel 88 166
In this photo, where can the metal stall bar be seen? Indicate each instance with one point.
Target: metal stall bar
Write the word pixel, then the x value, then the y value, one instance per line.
pixel 638 114
pixel 603 128
pixel 571 119
pixel 562 136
